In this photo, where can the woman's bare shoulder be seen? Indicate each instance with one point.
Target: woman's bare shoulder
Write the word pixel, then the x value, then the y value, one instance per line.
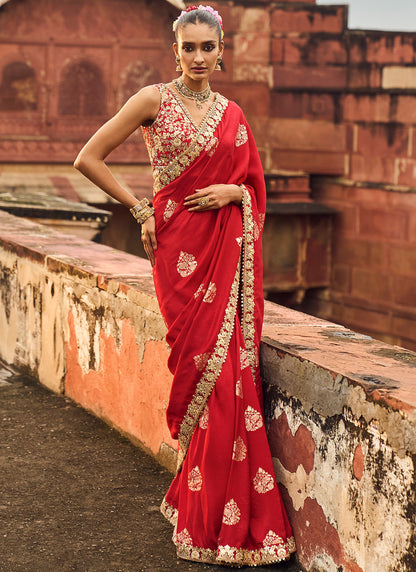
pixel 145 102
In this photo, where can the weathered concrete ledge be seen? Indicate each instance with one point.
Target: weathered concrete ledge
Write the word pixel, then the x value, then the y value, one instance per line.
pixel 84 320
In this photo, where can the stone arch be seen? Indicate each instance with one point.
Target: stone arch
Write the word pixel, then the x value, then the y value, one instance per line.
pixel 82 90
pixel 136 76
pixel 18 88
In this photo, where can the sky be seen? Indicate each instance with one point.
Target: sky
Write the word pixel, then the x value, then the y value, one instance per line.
pixel 379 14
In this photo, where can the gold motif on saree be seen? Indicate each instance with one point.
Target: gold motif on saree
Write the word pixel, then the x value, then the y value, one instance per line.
pixel 201 361
pixel 244 359
pixel 273 539
pixel 253 419
pixel 201 288
pixel 204 419
pixel 169 209
pixel 241 136
pixel 256 230
pixel 195 480
pixel 184 537
pixel 210 293
pixel 239 388
pixel 186 264
pixel 263 482
pixel 231 514
pixel 239 450
pixel 239 240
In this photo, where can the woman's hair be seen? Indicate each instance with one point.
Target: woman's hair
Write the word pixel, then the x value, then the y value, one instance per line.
pixel 200 15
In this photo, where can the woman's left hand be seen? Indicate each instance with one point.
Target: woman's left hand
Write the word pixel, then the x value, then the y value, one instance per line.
pixel 213 197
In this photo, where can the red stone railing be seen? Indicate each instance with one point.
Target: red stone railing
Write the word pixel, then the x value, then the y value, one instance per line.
pixel 83 319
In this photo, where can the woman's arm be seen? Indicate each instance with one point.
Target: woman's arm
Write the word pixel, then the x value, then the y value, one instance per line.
pixel 139 109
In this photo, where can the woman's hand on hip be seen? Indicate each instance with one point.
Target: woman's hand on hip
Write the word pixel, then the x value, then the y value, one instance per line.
pixel 213 197
pixel 149 238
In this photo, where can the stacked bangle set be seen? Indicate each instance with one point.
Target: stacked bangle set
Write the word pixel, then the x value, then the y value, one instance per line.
pixel 142 211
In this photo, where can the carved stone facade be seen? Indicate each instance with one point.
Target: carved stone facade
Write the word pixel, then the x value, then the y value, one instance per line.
pixel 66 66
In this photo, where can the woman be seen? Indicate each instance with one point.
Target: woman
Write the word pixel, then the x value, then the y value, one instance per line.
pixel 203 238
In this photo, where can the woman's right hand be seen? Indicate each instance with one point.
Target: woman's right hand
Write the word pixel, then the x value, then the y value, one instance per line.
pixel 149 238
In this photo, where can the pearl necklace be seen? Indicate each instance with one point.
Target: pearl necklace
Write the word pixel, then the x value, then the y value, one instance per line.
pixel 198 96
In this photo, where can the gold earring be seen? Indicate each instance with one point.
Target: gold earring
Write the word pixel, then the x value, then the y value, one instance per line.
pixel 178 65
pixel 218 66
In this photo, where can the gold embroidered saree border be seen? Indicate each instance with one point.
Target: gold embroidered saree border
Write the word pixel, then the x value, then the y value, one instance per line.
pixel 204 134
pixel 210 373
pixel 231 556
pixel 228 555
pixel 247 291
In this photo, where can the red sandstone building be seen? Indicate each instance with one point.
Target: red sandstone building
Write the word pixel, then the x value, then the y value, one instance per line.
pixel 337 107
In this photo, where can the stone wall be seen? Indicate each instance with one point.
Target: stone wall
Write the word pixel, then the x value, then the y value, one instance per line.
pixel 83 319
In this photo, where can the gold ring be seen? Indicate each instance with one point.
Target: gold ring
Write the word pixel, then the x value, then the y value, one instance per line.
pixel 203 201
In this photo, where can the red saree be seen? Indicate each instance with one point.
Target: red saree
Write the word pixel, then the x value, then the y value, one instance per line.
pixel 224 502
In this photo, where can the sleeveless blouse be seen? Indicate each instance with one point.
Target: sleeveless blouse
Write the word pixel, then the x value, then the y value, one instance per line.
pixel 171 133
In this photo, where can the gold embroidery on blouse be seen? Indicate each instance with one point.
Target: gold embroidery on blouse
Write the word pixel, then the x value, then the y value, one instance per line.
pixel 231 514
pixel 205 132
pixel 186 264
pixel 263 481
pixel 195 480
pixel 247 290
pixel 211 372
pixel 253 419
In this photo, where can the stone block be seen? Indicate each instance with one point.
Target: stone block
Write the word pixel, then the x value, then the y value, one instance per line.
pixel 399 77
pixel 390 48
pixel 383 224
pixel 385 139
pixel 403 109
pixel 314 50
pixel 364 77
pixel 304 134
pixel 341 278
pixel 377 169
pixel 402 260
pixel 405 172
pixel 359 253
pixel 252 97
pixel 367 108
pixel 314 162
pixel 404 291
pixel 309 19
pixel 310 77
pixel 371 285
pixel 251 48
pixel 254 20
pixel 304 105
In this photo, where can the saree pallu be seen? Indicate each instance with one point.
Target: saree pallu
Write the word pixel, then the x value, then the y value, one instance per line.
pixel 224 502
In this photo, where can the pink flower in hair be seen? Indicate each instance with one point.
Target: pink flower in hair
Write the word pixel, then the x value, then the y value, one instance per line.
pixel 200 7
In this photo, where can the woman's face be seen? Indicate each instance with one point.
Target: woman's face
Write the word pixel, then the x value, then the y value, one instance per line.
pixel 198 49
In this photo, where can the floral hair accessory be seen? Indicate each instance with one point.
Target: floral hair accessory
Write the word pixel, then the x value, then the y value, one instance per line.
pixel 200 7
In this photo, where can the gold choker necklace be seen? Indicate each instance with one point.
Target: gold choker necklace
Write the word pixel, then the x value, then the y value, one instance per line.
pixel 198 96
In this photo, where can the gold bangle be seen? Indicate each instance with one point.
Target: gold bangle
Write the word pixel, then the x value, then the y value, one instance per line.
pixel 139 206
